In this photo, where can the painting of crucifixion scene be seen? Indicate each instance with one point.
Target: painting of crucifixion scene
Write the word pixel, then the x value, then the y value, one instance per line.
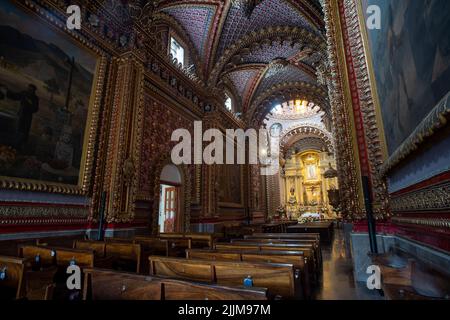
pixel 45 88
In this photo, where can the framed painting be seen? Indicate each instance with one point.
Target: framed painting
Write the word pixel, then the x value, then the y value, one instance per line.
pixel 49 97
pixel 411 71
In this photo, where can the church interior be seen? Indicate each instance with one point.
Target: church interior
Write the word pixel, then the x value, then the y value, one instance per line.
pixel 346 102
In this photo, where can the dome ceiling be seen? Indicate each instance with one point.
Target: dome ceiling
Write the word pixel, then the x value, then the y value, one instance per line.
pixel 238 51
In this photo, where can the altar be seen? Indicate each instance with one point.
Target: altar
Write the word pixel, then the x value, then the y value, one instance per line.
pixel 306 187
pixel 324 228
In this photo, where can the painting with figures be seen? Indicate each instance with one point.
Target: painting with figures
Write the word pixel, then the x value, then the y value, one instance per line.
pixel 45 88
pixel 411 61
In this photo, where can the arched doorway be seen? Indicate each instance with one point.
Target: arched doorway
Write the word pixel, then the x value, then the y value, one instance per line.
pixel 170 210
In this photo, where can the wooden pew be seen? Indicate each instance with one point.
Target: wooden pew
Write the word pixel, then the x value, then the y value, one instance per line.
pixel 296 258
pixel 307 250
pixel 183 290
pixel 176 245
pixel 118 240
pixel 153 246
pixel 12 287
pixel 213 255
pixel 289 237
pixel 277 278
pixel 198 240
pixel 51 256
pixel 283 236
pixel 122 254
pixel 102 284
pixel 52 276
pixel 241 230
pixel 47 256
pixel 113 285
pixel 97 246
pixel 301 242
pixel 113 254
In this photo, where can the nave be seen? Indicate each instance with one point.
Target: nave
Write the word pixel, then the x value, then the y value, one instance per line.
pixel 224 149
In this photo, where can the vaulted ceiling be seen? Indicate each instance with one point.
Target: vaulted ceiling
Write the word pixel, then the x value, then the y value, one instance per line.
pixel 278 44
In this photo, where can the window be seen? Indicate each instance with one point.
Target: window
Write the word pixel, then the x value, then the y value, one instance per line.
pixel 228 104
pixel 177 51
pixel 277 109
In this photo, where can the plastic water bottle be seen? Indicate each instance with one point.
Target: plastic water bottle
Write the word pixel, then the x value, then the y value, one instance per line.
pixel 248 282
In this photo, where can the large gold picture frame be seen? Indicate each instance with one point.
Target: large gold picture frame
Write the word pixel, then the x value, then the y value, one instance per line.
pixel 32 11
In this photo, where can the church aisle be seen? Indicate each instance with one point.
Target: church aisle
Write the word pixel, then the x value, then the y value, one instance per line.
pixel 337 281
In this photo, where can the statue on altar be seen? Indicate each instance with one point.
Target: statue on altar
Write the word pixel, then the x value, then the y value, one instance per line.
pixel 292 204
pixel 311 171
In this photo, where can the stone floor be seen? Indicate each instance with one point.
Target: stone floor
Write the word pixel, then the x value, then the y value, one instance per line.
pixel 337 281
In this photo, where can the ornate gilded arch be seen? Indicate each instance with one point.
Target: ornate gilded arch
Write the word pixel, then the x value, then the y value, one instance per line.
pixel 262 105
pixel 291 135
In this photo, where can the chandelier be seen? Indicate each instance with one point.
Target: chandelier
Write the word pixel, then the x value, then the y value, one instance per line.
pixel 246 5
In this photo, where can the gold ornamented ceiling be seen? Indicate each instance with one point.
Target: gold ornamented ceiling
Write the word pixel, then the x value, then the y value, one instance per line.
pixel 251 52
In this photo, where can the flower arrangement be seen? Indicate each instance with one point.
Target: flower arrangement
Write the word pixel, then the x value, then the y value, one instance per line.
pixel 281 210
pixel 308 217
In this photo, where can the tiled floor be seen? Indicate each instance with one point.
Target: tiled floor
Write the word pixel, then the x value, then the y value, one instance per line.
pixel 337 282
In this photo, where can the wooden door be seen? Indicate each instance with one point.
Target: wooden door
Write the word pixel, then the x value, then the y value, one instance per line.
pixel 170 209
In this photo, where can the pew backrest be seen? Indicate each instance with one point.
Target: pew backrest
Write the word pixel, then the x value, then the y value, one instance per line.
pixel 213 255
pixel 112 285
pixel 176 268
pixel 13 278
pixel 153 246
pixel 118 240
pixel 198 239
pixel 284 236
pixel 277 278
pixel 182 290
pixel 97 246
pixel 47 255
pixel 83 258
pixel 60 256
pixel 296 258
pixel 129 251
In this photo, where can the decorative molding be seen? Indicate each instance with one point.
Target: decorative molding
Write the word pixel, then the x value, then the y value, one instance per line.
pixel 346 153
pixel 305 129
pixel 430 199
pixel 365 105
pixel 435 223
pixel 435 120
pixel 42 212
